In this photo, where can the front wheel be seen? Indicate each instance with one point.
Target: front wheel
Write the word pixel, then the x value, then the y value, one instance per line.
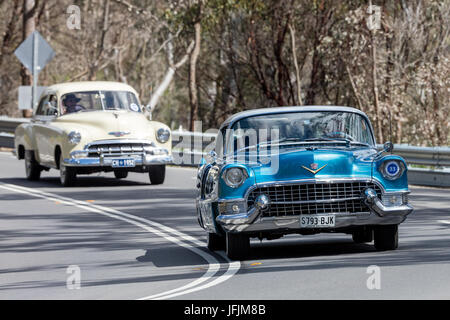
pixel 363 235
pixel 386 237
pixel 120 174
pixel 237 246
pixel 215 242
pixel 67 175
pixel 32 167
pixel 157 174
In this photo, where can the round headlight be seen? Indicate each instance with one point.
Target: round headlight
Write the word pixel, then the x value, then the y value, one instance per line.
pixel 234 177
pixel 163 135
pixel 392 169
pixel 74 137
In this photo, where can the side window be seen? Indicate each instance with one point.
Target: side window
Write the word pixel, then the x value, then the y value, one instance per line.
pixel 40 110
pixel 51 107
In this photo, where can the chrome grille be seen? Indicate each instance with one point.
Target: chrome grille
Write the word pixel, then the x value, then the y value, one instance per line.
pixel 314 198
pixel 118 149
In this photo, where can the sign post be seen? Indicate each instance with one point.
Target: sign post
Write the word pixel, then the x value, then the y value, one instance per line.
pixel 35 71
pixel 34 53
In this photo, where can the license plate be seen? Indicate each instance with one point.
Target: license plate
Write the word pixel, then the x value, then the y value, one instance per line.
pixel 123 163
pixel 317 221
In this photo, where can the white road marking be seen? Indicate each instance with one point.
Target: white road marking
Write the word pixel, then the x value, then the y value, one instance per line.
pixel 444 221
pixel 165 232
pixel 232 270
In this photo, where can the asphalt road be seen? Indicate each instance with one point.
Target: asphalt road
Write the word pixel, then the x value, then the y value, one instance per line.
pixel 126 239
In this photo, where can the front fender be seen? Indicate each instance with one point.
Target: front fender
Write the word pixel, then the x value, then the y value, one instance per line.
pixel 400 184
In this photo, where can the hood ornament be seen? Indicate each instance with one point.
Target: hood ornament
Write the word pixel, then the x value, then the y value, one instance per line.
pixel 118 133
pixel 314 167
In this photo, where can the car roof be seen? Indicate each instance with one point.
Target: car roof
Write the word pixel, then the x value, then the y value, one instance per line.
pixel 264 111
pixel 68 87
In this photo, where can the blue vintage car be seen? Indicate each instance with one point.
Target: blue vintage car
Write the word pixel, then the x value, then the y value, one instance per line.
pixel 302 170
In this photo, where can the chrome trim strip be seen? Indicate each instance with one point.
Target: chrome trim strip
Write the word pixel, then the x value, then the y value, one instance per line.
pixel 231 200
pixel 117 141
pixel 317 201
pixel 297 216
pixel 107 162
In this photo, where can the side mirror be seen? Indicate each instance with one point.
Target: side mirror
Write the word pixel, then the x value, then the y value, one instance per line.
pixel 388 147
pixel 149 110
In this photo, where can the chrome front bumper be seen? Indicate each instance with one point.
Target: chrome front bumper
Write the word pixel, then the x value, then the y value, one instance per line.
pixel 142 160
pixel 380 214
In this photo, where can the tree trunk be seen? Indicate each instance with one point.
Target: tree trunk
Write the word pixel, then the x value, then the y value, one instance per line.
pixel 297 70
pixel 193 94
pixel 162 87
pixel 375 90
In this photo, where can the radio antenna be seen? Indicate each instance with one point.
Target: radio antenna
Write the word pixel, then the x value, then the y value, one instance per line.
pixel 390 126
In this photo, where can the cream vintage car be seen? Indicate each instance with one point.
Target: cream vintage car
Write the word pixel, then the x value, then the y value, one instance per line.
pixel 87 127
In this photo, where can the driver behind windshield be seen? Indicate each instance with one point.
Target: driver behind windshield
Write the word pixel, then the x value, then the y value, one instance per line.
pixel 70 104
pixel 301 129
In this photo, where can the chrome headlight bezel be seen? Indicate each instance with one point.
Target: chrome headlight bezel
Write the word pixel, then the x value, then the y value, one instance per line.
pixel 211 184
pixel 234 177
pixel 392 169
pixel 163 135
pixel 74 137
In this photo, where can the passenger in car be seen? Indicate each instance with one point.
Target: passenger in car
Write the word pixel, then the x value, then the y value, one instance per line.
pixel 70 104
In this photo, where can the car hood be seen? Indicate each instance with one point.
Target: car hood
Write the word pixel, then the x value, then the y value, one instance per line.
pixel 108 124
pixel 330 163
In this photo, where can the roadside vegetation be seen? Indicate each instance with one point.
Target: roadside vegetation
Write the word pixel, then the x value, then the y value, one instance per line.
pixel 204 60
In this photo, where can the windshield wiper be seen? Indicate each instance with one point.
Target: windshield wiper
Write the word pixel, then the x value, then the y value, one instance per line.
pixel 347 141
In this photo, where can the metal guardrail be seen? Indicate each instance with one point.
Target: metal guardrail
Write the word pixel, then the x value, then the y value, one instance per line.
pixel 6 140
pixel 189 147
pixel 9 125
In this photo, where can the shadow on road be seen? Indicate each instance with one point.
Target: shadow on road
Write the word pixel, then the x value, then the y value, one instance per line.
pixel 422 239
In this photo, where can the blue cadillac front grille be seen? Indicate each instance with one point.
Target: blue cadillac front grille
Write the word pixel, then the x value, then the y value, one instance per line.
pixel 314 198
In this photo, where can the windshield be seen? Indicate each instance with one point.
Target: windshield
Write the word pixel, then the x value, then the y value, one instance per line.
pixel 305 128
pixel 99 100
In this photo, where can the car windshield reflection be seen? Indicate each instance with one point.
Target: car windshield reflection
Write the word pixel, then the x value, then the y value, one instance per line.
pixel 99 100
pixel 303 129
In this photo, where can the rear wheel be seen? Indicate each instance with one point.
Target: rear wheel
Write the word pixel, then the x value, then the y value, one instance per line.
pixel 157 174
pixel 67 175
pixel 32 167
pixel 386 237
pixel 120 174
pixel 237 246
